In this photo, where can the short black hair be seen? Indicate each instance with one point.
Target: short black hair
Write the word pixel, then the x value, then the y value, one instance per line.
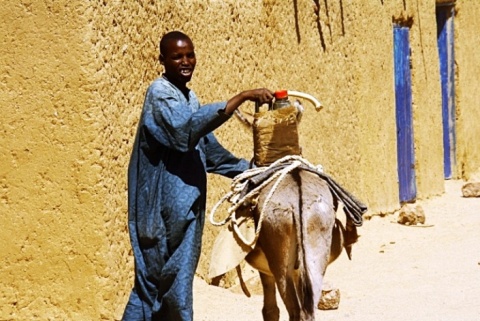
pixel 172 35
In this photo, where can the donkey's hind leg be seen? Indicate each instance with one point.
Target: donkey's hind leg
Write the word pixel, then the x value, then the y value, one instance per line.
pixel 270 309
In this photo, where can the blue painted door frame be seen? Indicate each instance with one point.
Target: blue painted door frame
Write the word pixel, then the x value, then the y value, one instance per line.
pixel 445 42
pixel 404 120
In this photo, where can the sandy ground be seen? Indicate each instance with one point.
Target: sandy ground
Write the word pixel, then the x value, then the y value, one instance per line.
pixel 397 272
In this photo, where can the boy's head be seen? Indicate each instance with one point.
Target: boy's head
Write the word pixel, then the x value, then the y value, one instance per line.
pixel 177 55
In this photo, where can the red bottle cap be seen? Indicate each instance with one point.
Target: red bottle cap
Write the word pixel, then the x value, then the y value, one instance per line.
pixel 280 94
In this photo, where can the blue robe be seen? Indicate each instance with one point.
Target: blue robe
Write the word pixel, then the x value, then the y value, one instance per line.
pixel 167 182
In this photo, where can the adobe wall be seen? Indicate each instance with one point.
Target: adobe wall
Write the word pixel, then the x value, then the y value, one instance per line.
pixel 73 78
pixel 54 242
pixel 467 88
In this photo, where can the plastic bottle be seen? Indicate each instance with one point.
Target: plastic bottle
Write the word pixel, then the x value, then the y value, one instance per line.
pixel 281 99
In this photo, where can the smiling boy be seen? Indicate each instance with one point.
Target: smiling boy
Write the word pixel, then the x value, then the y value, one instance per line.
pixel 167 183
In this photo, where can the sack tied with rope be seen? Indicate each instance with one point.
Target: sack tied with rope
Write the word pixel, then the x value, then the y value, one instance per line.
pixel 275 135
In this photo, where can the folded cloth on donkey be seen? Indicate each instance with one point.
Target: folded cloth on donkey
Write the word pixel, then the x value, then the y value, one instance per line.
pixel 229 250
pixel 354 209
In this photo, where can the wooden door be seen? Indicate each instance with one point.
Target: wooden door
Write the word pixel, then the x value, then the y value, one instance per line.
pixel 403 102
pixel 445 42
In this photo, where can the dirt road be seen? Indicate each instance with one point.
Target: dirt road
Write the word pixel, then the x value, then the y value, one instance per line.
pixel 397 273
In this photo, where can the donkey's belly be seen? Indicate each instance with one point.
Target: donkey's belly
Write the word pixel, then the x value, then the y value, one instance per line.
pixel 258 261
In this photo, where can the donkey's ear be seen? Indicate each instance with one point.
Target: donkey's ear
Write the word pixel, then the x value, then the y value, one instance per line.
pixel 337 245
pixel 348 249
pixel 350 237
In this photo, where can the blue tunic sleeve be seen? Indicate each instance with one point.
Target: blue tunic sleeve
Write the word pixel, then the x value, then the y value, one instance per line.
pixel 176 122
pixel 220 160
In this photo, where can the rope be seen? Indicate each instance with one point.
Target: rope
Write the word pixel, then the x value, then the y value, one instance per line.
pixel 239 183
pixel 244 119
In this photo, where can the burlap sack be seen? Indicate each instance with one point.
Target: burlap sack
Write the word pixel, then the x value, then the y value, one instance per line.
pixel 275 135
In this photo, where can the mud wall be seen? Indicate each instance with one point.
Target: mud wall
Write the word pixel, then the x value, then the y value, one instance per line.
pixel 467 88
pixel 73 78
pixel 54 241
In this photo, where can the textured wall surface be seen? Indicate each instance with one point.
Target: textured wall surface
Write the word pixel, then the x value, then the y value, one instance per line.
pixel 73 77
pixel 467 64
pixel 53 240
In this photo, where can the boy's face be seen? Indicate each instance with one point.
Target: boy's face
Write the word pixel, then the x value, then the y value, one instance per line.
pixel 179 61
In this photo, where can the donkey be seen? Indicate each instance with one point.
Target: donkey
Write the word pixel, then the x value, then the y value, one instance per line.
pixel 297 234
pixel 299 237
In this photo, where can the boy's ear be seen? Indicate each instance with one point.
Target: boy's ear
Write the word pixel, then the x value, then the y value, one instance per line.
pixel 161 58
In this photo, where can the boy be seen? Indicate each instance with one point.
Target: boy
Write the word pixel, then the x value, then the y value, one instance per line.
pixel 173 150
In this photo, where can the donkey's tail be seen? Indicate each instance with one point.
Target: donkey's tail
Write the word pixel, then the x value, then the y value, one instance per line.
pixel 304 289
